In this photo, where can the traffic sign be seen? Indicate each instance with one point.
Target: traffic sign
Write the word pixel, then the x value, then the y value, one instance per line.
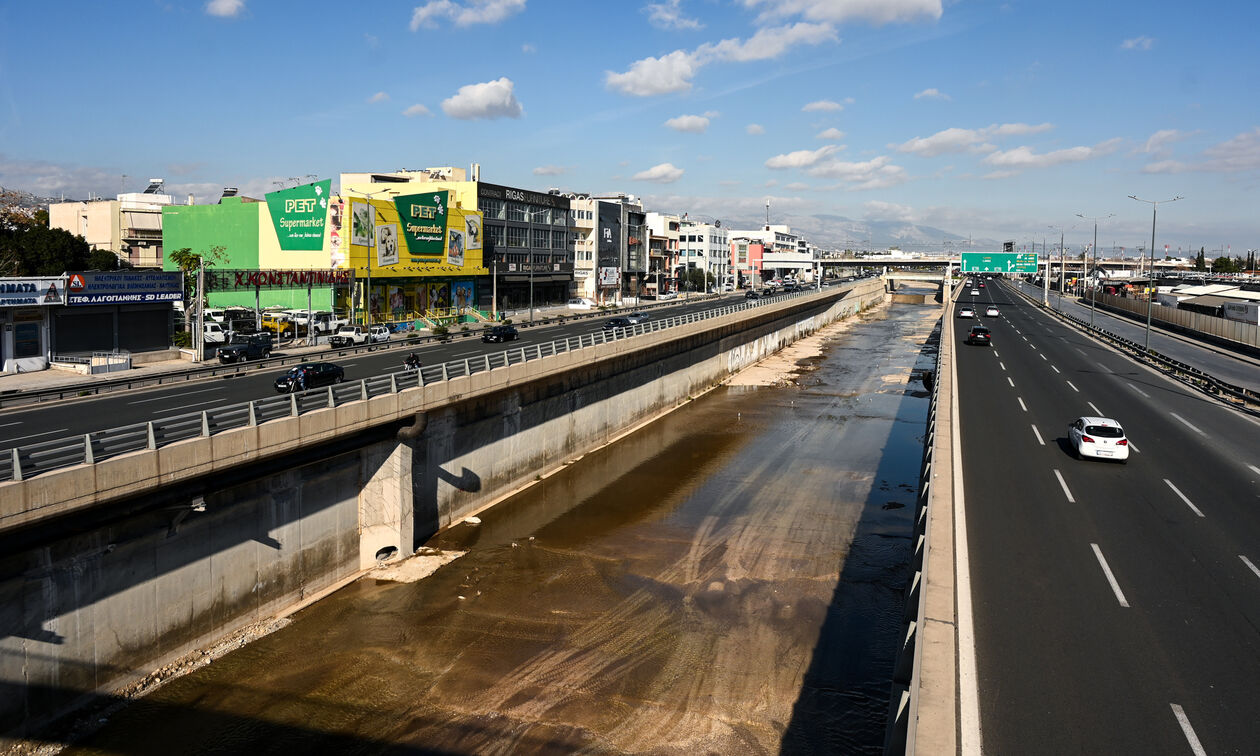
pixel 999 262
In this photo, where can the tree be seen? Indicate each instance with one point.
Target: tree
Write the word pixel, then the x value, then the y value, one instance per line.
pixel 1200 263
pixel 189 262
pixel 693 279
pixel 1223 264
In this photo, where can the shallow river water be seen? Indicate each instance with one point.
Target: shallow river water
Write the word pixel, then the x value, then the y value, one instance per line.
pixel 725 580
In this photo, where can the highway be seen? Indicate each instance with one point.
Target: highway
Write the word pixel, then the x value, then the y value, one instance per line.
pixel 1232 368
pixel 1116 607
pixel 46 422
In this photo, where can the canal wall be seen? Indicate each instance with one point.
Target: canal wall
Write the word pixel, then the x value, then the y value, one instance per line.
pixel 197 540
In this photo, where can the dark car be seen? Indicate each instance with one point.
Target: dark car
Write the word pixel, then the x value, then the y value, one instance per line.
pixel 637 317
pixel 979 335
pixel 242 347
pixel 500 333
pixel 309 375
pixel 612 323
pixel 752 294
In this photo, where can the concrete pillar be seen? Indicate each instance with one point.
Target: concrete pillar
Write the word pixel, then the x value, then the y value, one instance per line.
pixel 386 509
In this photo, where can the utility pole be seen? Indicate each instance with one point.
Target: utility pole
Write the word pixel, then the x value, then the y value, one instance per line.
pixel 1150 295
pixel 1092 288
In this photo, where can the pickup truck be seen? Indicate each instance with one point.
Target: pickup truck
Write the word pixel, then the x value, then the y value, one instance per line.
pixel 242 348
pixel 349 335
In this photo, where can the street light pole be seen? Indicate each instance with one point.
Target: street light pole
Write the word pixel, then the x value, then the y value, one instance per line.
pixel 1150 294
pixel 1092 289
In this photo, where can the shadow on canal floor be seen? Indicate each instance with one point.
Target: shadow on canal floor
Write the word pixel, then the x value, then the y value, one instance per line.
pixel 843 702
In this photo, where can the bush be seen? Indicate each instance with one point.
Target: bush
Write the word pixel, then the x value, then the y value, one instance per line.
pixel 441 332
pixel 183 339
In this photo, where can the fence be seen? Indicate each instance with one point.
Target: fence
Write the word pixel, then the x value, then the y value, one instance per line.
pixel 25 461
pixel 1222 328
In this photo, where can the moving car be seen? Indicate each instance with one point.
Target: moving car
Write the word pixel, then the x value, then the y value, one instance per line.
pixel 499 333
pixel 1098 437
pixel 979 335
pixel 241 347
pixel 309 375
pixel 613 323
pixel 966 312
pixel 637 317
pixel 975 292
pixel 752 294
pixel 990 312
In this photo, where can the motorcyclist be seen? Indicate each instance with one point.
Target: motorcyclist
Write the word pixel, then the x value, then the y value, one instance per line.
pixel 412 362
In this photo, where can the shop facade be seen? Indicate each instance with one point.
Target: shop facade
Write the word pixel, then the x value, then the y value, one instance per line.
pixel 117 311
pixel 26 306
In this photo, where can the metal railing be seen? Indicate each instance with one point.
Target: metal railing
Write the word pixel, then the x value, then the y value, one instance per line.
pixel 28 460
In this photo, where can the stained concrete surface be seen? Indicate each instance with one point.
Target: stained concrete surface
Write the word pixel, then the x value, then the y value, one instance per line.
pixel 725 580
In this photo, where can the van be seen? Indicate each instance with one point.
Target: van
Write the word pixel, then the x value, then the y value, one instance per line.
pixel 213 333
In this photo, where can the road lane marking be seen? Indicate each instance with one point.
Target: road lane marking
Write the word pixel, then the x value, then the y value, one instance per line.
pixel 1063 484
pixel 1095 409
pixel 172 396
pixel 1183 497
pixel 1188 731
pixel 1250 566
pixel 1043 356
pixel 1254 469
pixel 36 435
pixel 1115 587
pixel 6 425
pixel 1008 380
pixel 1082 351
pixel 1037 433
pixel 968 685
pixel 1133 446
pixel 1021 403
pixel 1140 391
pixel 184 407
pixel 1025 338
pixel 1002 364
pixel 1055 369
pixel 1074 388
pixel 995 353
pixel 1187 423
pixel 1103 367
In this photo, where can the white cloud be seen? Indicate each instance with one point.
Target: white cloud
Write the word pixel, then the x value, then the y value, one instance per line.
pixel 839 11
pixel 1137 43
pixel 801 158
pixel 1024 157
pixel 879 210
pixel 1157 144
pixel 822 106
pixel 491 99
pixel 668 15
pixel 665 173
pixel 225 8
pixel 771 183
pixel 755 129
pixel 797 186
pixel 674 72
pixel 467 14
pixel 833 134
pixel 966 140
pixel 877 173
pixel 378 97
pixel 1237 155
pixel 528 49
pixel 932 93
pixel 653 76
pixel 550 170
pixel 416 110
pixel 693 124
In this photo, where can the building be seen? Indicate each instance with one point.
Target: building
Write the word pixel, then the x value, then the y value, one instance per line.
pixel 582 229
pixel 747 257
pixel 663 234
pixel 785 253
pixel 129 226
pixel 704 246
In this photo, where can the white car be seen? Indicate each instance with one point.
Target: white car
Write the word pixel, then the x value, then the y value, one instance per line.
pixel 990 312
pixel 966 312
pixel 1098 437
pixel 378 333
pixel 580 303
pixel 975 292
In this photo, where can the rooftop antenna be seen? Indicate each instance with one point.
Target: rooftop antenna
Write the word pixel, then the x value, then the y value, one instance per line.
pixel 767 215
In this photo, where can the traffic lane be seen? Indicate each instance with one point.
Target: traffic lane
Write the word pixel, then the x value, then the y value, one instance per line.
pixel 1196 576
pixel 1223 366
pixel 1043 613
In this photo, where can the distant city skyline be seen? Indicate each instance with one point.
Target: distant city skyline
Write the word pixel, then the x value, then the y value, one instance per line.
pixel 990 119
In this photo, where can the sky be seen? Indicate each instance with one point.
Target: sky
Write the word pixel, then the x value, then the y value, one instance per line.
pixel 999 120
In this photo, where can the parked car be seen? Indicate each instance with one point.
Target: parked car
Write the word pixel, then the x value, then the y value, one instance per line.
pixel 378 333
pixel 278 323
pixel 309 375
pixel 348 335
pixel 581 303
pixel 990 312
pixel 614 323
pixel 499 333
pixel 213 333
pixel 979 335
pixel 637 317
pixel 966 312
pixel 1098 437
pixel 245 347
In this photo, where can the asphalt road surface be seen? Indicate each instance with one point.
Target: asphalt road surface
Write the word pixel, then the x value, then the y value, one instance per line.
pixel 1117 607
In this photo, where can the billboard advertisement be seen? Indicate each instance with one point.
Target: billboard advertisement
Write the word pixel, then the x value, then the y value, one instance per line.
pixel 423 219
pixel 299 215
pixel 21 292
pixel 95 288
pixel 387 244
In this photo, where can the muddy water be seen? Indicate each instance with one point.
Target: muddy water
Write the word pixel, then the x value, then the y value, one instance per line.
pixel 726 580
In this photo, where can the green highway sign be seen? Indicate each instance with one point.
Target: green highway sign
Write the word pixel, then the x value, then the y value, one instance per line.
pixel 999 262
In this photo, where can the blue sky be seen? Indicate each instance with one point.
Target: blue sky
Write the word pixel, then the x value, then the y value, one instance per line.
pixel 995 119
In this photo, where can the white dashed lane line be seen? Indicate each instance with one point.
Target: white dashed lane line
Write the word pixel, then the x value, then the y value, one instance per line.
pixel 1189 503
pixel 1043 356
pixel 1140 391
pixel 36 435
pixel 1115 587
pixel 1063 485
pixel 1254 469
pixel 1188 731
pixel 1188 424
pixel 1074 388
pixel 1055 369
pixel 1002 364
pixel 171 396
pixel 1103 367
pixel 1008 380
pixel 1250 566
pixel 1097 411
pixel 1021 403
pixel 1037 433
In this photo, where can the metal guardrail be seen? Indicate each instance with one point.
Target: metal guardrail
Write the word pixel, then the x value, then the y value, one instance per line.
pixel 28 460
pixel 1239 397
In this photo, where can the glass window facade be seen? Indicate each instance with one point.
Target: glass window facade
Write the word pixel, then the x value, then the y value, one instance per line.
pixel 516 212
pixel 515 236
pixel 541 239
pixel 492 208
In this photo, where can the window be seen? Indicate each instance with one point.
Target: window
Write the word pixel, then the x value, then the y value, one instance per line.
pixel 539 215
pixel 492 208
pixel 558 241
pixel 515 211
pixel 495 234
pixel 541 239
pixel 515 236
pixel 26 341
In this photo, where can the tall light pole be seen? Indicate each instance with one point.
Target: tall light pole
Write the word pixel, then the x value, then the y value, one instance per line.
pixel 1150 295
pixel 1092 288
pixel 1062 266
pixel 1045 279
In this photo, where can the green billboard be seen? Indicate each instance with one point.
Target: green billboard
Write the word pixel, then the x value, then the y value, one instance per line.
pixel 299 214
pixel 999 262
pixel 423 219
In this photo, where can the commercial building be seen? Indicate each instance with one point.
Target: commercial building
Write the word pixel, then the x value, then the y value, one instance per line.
pixel 130 226
pixel 746 260
pixel 705 246
pixel 664 231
